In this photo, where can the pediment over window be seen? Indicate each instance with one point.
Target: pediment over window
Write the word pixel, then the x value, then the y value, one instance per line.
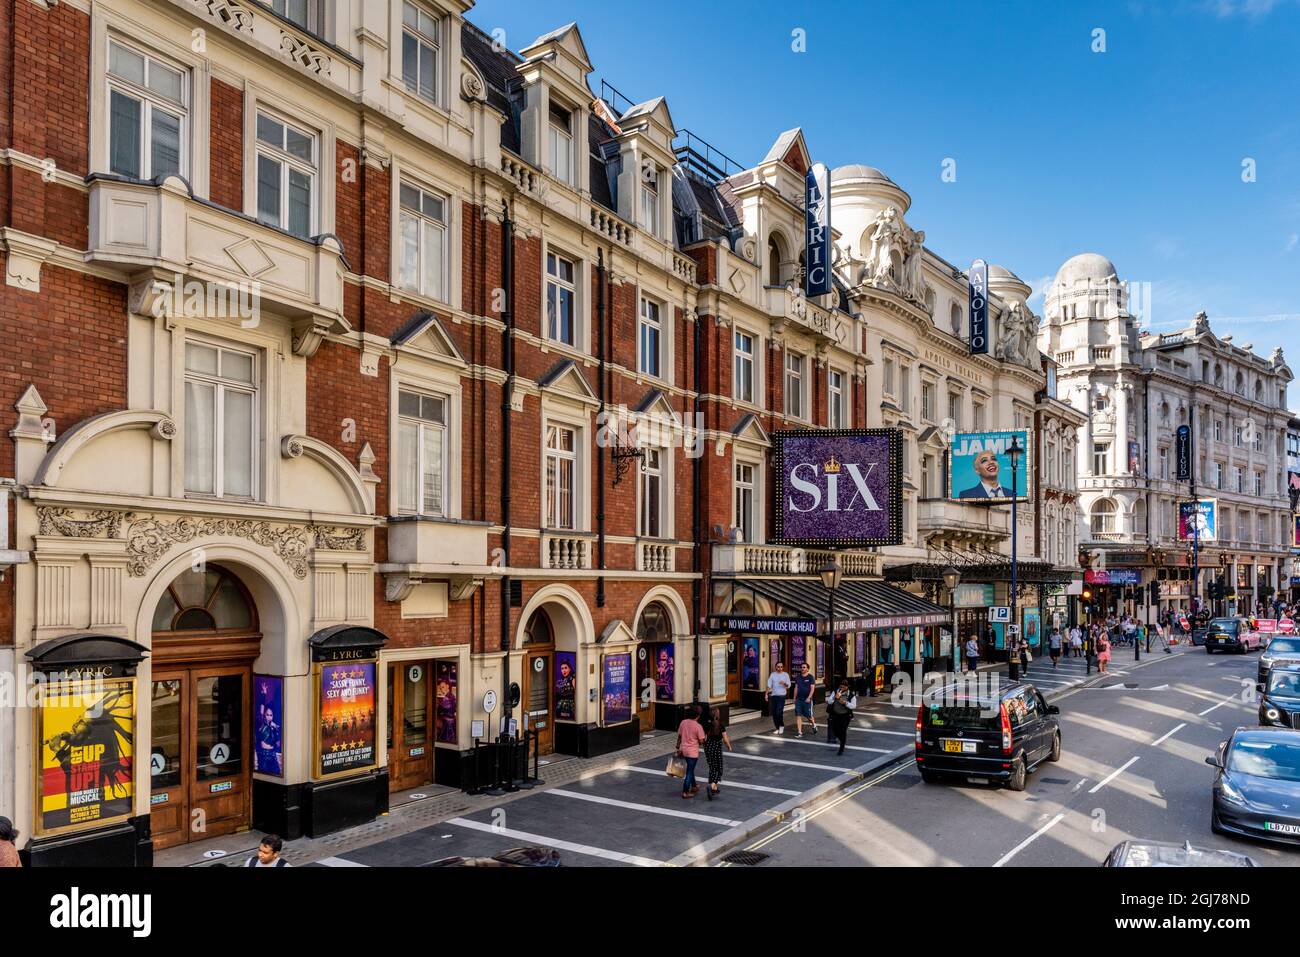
pixel 932 438
pixel 791 149
pixel 424 333
pixel 566 379
pixel 750 430
pixel 616 633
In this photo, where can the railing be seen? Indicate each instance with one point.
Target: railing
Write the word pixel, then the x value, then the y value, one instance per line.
pixel 655 557
pixel 524 176
pixel 684 267
pixel 566 551
pixel 613 227
pixel 785 560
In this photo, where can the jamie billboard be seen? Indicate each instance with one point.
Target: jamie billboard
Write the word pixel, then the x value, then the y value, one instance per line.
pixel 1197 521
pixel 979 466
pixel 838 487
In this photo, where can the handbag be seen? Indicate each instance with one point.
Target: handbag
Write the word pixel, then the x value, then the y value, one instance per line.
pixel 838 707
pixel 676 766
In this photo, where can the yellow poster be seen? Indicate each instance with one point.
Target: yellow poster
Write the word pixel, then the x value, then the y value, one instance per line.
pixel 87 736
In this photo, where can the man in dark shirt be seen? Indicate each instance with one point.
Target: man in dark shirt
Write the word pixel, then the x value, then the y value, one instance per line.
pixel 804 683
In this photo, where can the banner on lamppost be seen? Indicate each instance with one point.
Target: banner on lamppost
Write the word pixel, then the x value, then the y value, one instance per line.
pixel 1183 452
pixel 817 231
pixel 1197 520
pixel 978 289
pixel 838 487
pixel 979 466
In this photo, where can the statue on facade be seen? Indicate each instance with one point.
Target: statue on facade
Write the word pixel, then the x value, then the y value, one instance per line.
pixel 913 278
pixel 1018 335
pixel 886 241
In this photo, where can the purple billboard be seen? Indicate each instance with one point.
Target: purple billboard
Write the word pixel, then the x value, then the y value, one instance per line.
pixel 838 487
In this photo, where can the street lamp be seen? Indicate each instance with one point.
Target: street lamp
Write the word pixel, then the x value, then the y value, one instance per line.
pixel 951 579
pixel 831 574
pixel 1014 453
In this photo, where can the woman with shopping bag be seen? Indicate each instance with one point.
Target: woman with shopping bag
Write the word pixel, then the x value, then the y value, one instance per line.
pixel 690 736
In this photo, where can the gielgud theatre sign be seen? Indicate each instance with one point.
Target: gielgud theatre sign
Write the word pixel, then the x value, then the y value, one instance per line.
pixel 838 488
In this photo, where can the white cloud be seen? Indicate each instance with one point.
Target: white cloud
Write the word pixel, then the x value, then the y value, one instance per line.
pixel 1292 241
pixel 1251 9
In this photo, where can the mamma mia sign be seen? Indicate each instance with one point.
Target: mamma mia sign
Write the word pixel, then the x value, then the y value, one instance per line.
pixel 839 487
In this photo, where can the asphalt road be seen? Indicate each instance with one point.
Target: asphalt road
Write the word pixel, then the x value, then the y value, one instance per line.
pixel 1133 767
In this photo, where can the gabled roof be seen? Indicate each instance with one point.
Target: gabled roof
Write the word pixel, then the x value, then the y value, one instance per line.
pixel 750 428
pixel 790 140
pixel 568 36
pixel 438 338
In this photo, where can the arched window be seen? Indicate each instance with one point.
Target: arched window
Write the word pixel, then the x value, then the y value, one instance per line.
pixel 1140 518
pixel 209 600
pixel 1103 517
pixel 655 625
pixel 539 630
pixel 775 259
pixel 955 317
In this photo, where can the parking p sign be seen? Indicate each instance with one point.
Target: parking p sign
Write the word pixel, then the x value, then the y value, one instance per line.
pixel 1000 614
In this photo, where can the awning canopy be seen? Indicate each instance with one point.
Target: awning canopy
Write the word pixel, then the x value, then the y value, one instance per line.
pixel 860 604
pixel 996 570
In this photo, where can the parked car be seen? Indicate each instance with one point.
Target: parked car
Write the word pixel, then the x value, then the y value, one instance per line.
pixel 1162 854
pixel 1284 649
pixel 1256 789
pixel 1279 706
pixel 515 857
pixel 1000 737
pixel 1232 634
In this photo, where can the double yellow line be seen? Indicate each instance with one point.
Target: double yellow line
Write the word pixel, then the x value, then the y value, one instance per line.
pixel 802 820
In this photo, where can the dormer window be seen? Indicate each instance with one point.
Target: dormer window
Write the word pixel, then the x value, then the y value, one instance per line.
pixel 650 199
pixel 561 152
pixel 420 52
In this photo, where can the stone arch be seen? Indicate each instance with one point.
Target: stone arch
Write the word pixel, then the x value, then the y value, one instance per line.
pixel 672 601
pixel 570 618
pixel 87 431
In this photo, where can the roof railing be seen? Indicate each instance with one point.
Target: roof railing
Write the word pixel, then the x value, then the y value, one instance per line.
pixel 700 157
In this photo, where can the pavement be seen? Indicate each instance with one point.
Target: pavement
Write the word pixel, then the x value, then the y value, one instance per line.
pixel 623 810
pixel 1134 745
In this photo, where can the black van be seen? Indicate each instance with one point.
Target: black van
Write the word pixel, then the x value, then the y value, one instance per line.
pixel 1000 736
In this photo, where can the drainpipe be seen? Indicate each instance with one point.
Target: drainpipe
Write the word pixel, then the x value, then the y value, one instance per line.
pixel 696 531
pixel 602 291
pixel 508 349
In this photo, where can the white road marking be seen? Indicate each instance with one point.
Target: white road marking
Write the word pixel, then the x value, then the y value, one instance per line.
pixel 1113 775
pixel 901 734
pixel 1169 734
pixel 745 756
pixel 1029 840
pixel 339 862
pixel 820 742
pixel 1217 707
pixel 731 784
pixel 559 845
pixel 644 808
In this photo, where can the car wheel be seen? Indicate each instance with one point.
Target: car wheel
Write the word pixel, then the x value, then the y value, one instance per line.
pixel 1018 774
pixel 1056 748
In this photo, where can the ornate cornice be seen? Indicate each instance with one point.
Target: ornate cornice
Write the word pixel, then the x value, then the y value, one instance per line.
pixel 97 523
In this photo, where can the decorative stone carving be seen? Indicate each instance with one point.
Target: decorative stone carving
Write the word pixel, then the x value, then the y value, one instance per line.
pixel 308 335
pixel 333 538
pixel 1019 335
pixel 460 587
pixel 291 447
pixel 302 53
pixel 1200 324
pixel 471 85
pixel 164 430
pixel 60 521
pixel 31 417
pixel 896 257
pixel 149 539
pixel 749 249
pixel 228 12
pixel 25 254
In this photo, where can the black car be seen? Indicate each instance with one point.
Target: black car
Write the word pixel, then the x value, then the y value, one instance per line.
pixel 1257 787
pixel 1232 634
pixel 1283 648
pixel 1161 854
pixel 997 736
pixel 1279 706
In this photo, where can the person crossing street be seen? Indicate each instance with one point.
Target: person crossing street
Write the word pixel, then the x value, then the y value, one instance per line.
pixel 778 687
pixel 804 685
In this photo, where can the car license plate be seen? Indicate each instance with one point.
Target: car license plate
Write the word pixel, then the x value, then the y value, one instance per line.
pixel 959 747
pixel 1282 828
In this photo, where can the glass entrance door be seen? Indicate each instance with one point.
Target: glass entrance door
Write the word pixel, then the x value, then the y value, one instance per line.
pixel 410 746
pixel 537 702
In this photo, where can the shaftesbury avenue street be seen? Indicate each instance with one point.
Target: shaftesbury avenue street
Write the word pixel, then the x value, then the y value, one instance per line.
pixel 726 437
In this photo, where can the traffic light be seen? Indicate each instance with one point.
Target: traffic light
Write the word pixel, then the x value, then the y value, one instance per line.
pixel 1154 589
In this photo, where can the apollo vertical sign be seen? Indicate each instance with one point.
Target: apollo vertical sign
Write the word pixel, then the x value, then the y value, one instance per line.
pixel 978 288
pixel 838 487
pixel 817 231
pixel 1183 453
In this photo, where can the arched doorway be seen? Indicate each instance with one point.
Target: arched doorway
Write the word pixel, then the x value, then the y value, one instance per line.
pixel 205 639
pixel 539 698
pixel 656 666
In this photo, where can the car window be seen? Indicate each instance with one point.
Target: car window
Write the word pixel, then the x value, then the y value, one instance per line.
pixel 1286 683
pixel 1284 646
pixel 972 716
pixel 1279 760
pixel 1030 704
pixel 1016 710
pixel 1042 704
pixel 1230 625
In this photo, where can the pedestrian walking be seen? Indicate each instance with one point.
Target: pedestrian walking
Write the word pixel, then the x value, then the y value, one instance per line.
pixel 715 737
pixel 805 683
pixel 839 712
pixel 268 853
pixel 1026 655
pixel 1103 652
pixel 689 738
pixel 1076 642
pixel 1054 642
pixel 8 841
pixel 778 686
pixel 972 653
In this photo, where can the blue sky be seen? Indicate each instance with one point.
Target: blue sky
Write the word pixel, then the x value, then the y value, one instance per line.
pixel 1136 152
